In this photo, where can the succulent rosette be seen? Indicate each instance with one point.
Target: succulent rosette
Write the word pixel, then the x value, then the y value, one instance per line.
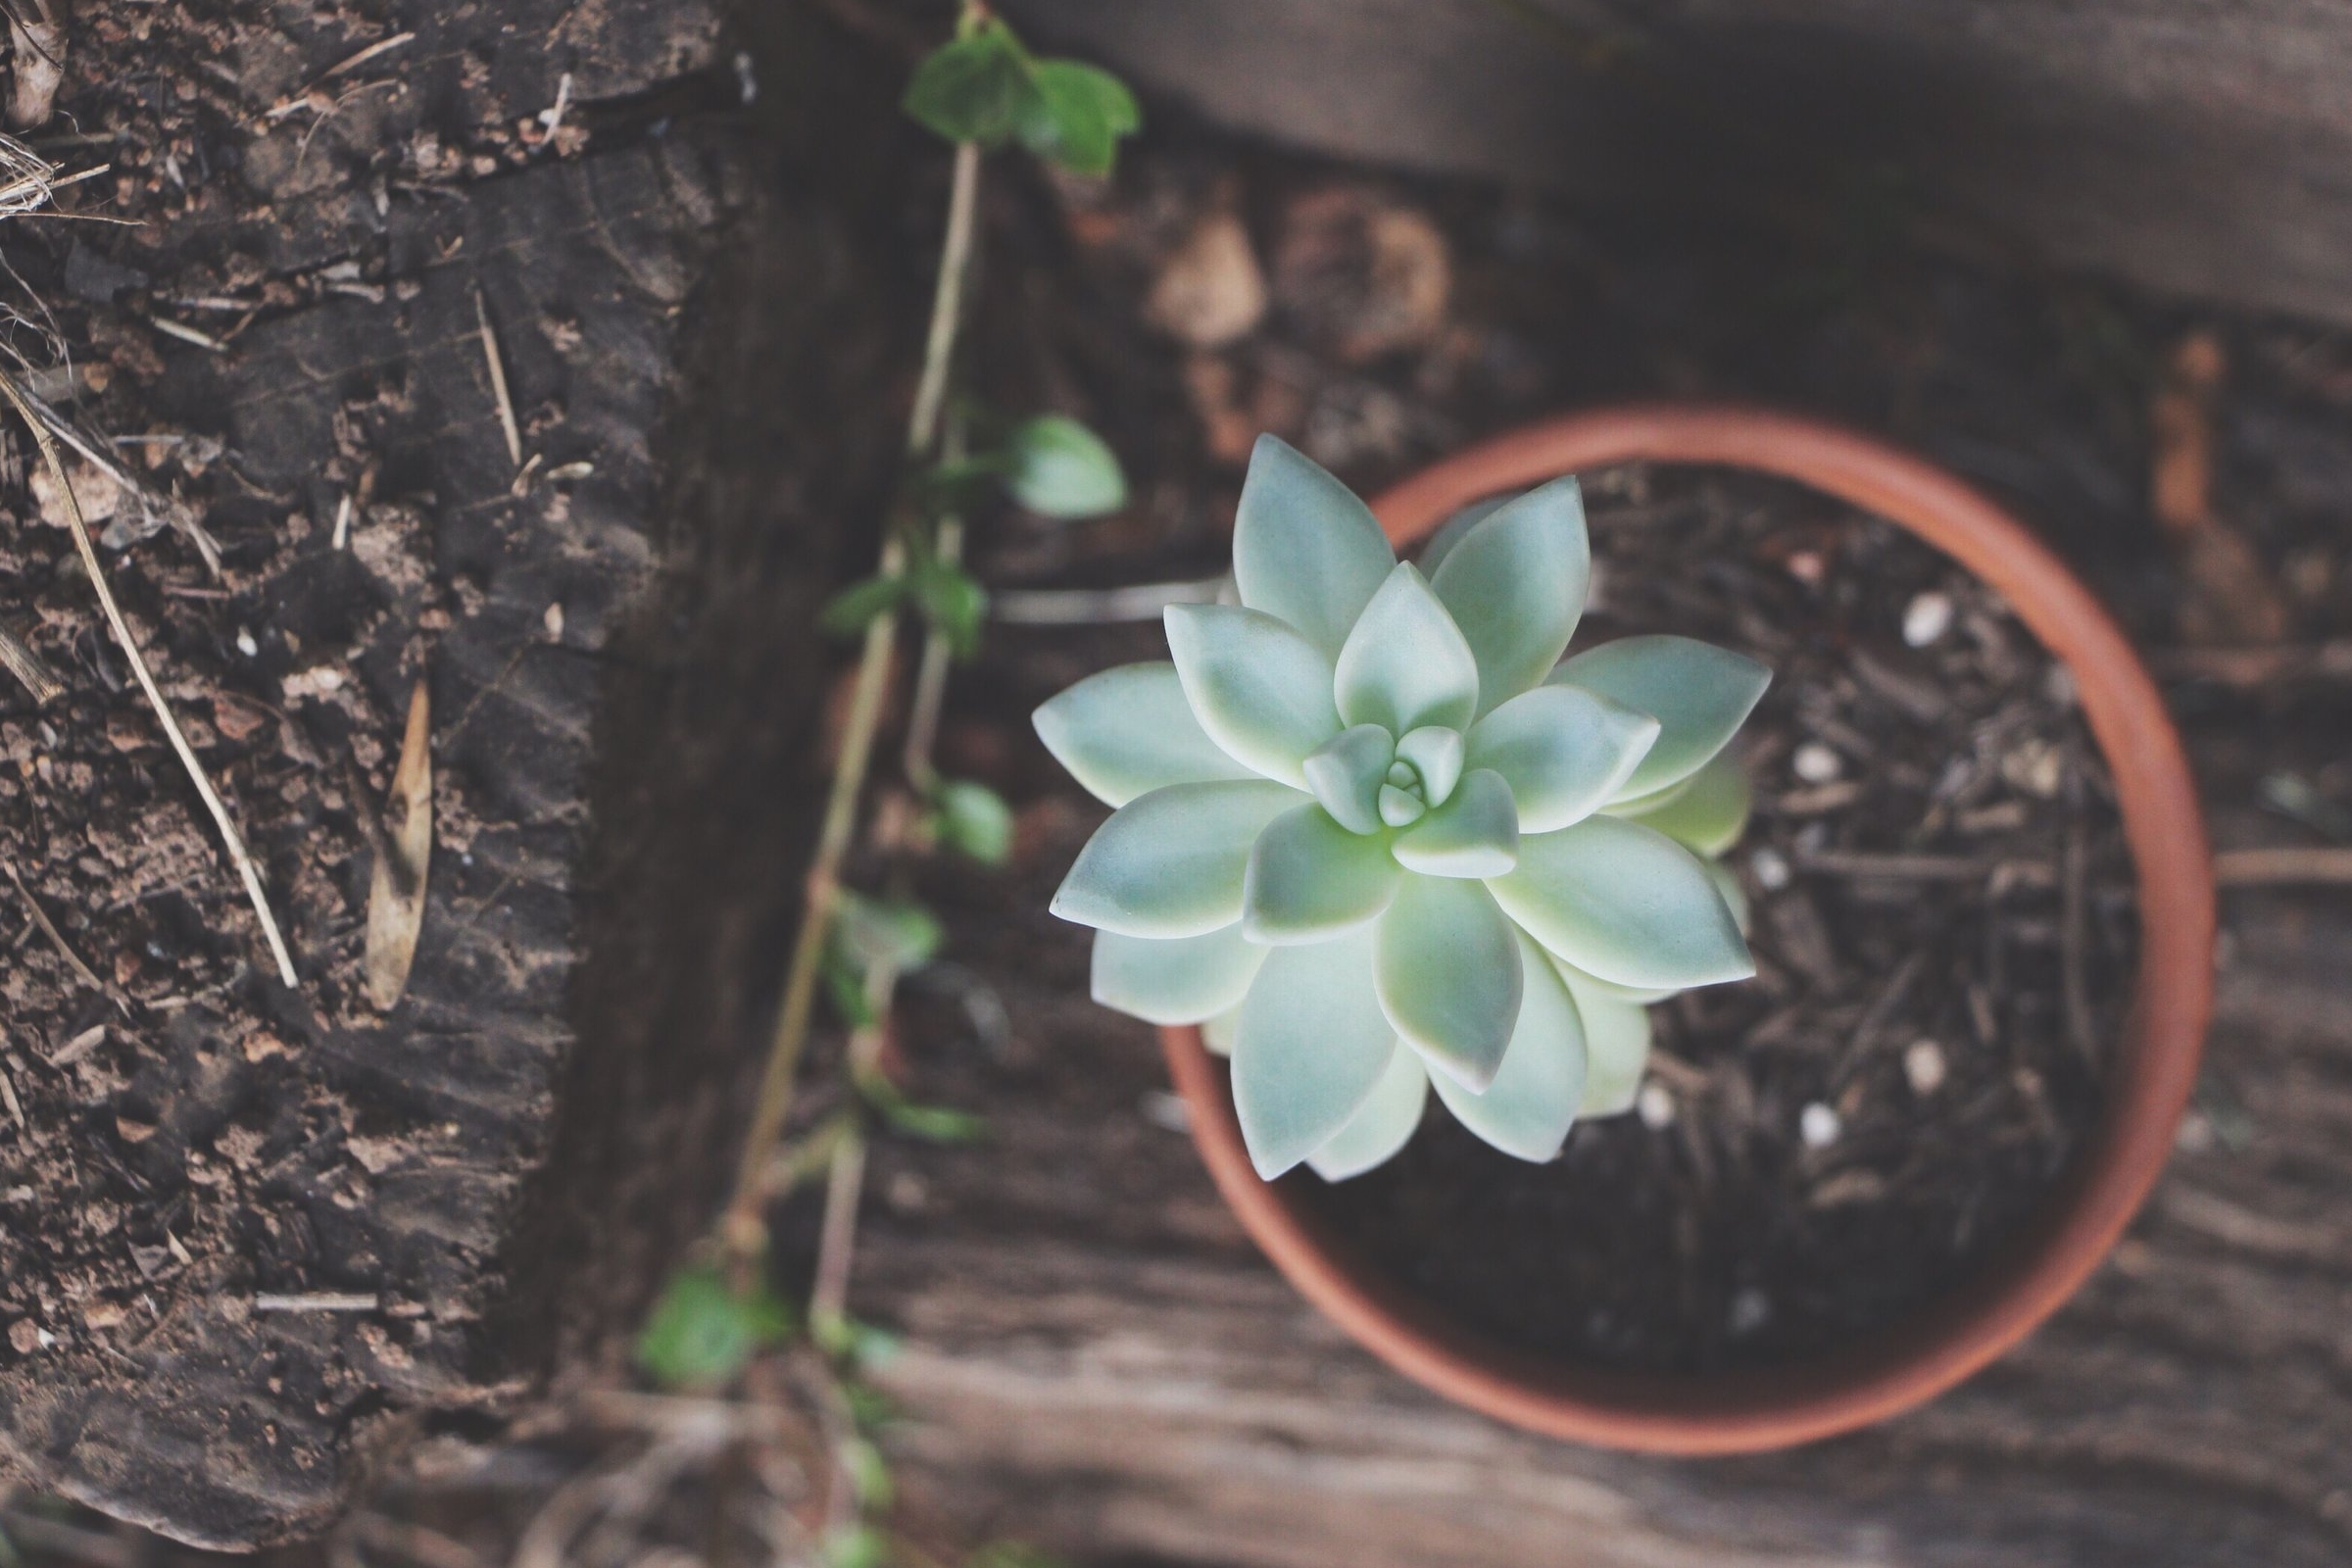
pixel 1375 837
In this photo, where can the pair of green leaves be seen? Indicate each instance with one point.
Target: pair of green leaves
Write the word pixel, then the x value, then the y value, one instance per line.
pixel 985 87
pixel 951 601
pixel 705 1329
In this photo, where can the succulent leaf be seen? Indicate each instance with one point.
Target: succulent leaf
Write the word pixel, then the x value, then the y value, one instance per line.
pixel 1616 1045
pixel 1436 758
pixel 1217 1032
pixel 1385 1121
pixel 1347 772
pixel 1707 814
pixel 1175 980
pixel 1454 529
pixel 1262 690
pixel 1474 834
pixel 1310 1047
pixel 1449 976
pixel 1625 903
pixel 1128 731
pixel 1529 1108
pixel 1515 585
pixel 1398 809
pixel 1309 879
pixel 1406 665
pixel 1563 751
pixel 1170 863
pixel 1306 550
pixel 1699 694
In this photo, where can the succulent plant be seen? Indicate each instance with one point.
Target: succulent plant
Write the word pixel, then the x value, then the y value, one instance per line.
pixel 1374 835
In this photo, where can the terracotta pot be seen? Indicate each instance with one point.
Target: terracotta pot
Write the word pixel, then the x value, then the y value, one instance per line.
pixel 2150 1075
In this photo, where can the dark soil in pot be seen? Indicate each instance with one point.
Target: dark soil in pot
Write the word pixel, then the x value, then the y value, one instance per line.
pixel 1943 928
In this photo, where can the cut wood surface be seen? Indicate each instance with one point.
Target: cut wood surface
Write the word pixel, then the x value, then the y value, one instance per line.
pixel 2153 140
pixel 1098 1356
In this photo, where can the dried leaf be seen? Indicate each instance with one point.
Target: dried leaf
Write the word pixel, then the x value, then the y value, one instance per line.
pixel 37 40
pixel 396 889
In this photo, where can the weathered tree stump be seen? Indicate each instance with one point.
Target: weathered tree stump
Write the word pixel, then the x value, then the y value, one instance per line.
pixel 253 1236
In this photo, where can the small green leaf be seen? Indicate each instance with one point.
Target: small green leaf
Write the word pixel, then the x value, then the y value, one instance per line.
pixel 952 602
pixel 974 820
pixel 869 1406
pixel 934 1124
pixel 857 1546
pixel 859 1344
pixel 868 1472
pixel 1075 116
pixel 846 986
pixel 704 1331
pixel 1057 468
pixel 850 612
pixel 977 87
pixel 897 932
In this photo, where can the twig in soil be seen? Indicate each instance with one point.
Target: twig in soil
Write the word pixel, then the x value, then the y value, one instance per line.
pixel 56 938
pixel 187 334
pixel 229 837
pixel 498 380
pixel 381 46
pixel 1099 607
pixel 22 662
pixel 2074 941
pixel 2281 867
pixel 1900 867
pixel 8 1094
pixel 316 1301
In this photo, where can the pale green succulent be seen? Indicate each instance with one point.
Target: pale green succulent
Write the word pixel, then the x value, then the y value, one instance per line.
pixel 1372 839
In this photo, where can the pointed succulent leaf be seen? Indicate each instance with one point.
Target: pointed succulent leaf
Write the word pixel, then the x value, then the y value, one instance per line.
pixel 1707 814
pixel 1616 1045
pixel 1625 903
pixel 1260 689
pixel 1474 834
pixel 1400 810
pixel 1436 758
pixel 1699 694
pixel 1384 1125
pixel 1527 1111
pixel 1515 585
pixel 1308 1049
pixel 1734 897
pixel 1454 529
pixel 1170 863
pixel 1563 750
pixel 1216 1034
pixel 1449 976
pixel 1405 663
pixel 1176 980
pixel 1309 879
pixel 1345 774
pixel 1128 731
pixel 1306 550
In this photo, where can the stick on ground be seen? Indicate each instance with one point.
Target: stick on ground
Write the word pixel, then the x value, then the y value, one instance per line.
pixel 229 837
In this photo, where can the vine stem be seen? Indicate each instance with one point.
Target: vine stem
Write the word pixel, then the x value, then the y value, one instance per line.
pixel 743 1229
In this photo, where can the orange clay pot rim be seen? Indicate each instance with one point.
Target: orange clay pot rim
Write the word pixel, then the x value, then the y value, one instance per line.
pixel 2150 1078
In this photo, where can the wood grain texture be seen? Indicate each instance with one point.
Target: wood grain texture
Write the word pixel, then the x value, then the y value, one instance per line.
pixel 1097 1359
pixel 2156 139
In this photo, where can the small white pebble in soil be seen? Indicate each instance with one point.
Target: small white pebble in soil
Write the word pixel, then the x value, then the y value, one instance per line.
pixel 2195 1135
pixel 1807 566
pixel 1816 763
pixel 1927 619
pixel 245 643
pixel 1165 1110
pixel 1655 1106
pixel 1769 869
pixel 552 621
pixel 1924 1066
pixel 2036 768
pixel 1817 1125
pixel 1752 1310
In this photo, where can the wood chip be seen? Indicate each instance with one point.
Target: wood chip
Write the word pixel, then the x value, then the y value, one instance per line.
pixel 396 888
pixel 2232 599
